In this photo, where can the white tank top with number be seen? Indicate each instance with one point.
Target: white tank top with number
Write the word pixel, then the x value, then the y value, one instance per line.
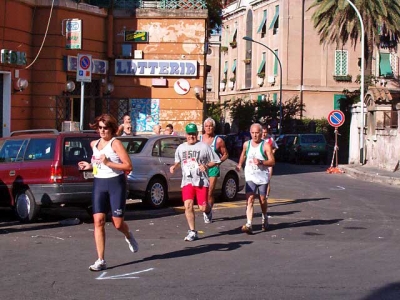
pixel 258 174
pixel 100 170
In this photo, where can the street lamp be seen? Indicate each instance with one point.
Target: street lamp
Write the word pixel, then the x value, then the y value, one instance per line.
pixel 280 79
pixel 362 83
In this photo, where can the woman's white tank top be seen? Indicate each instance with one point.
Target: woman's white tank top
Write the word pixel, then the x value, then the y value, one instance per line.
pixel 100 170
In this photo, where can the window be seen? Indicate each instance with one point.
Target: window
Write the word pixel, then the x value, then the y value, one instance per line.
pixel 234 66
pixel 40 149
pixel 263 25
pixel 385 69
pixel 386 119
pixel 226 67
pixel 276 63
pixel 209 82
pixel 168 147
pixel 275 21
pixel 126 50
pixel 75 150
pixel 11 151
pixel 274 98
pixel 341 63
pixel 233 42
pixel 336 101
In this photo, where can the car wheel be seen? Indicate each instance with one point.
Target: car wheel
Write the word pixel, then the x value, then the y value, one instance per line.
pixel 26 208
pixel 230 187
pixel 156 193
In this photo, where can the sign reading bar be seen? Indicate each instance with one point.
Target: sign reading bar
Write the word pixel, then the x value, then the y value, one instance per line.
pixel 99 66
pixel 73 34
pixel 141 67
pixel 12 57
pixel 136 36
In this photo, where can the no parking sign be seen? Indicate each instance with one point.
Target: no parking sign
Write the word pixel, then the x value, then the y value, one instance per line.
pixel 84 68
pixel 336 118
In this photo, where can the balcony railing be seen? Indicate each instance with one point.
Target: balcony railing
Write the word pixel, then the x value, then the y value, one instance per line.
pixel 160 4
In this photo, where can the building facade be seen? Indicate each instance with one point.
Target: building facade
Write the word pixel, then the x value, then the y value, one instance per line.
pixel 144 58
pixel 315 73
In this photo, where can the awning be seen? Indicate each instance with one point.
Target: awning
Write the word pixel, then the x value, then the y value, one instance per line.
pixel 261 67
pixel 264 20
pixel 385 69
pixel 233 38
pixel 276 16
pixel 234 66
pixel 226 67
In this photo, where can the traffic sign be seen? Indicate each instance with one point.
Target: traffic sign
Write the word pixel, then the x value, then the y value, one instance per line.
pixel 84 69
pixel 336 118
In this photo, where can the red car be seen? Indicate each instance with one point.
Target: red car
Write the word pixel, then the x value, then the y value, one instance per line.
pixel 38 168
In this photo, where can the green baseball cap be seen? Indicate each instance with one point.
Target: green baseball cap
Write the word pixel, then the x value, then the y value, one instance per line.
pixel 191 128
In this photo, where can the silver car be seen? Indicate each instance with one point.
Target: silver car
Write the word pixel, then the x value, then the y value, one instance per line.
pixel 150 179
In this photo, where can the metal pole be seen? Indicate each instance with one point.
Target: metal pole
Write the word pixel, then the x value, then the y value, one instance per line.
pixel 362 83
pixel 280 78
pixel 82 104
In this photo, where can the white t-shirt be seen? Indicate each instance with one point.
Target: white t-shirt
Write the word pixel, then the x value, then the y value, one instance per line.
pixel 191 157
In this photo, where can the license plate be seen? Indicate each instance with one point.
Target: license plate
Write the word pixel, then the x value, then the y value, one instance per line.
pixel 313 153
pixel 88 175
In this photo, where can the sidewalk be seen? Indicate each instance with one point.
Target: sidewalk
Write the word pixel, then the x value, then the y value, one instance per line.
pixel 366 173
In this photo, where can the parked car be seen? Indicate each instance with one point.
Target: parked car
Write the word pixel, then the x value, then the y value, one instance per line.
pixel 38 168
pixel 284 142
pixel 309 147
pixel 151 180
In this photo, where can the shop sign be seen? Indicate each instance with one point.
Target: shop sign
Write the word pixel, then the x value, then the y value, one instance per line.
pixel 99 66
pixel 136 36
pixel 165 68
pixel 12 57
pixel 73 34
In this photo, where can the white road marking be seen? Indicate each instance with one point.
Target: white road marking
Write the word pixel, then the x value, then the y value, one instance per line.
pixel 337 188
pixel 122 276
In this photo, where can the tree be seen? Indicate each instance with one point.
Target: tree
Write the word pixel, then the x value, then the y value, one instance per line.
pixel 245 112
pixel 214 14
pixel 337 22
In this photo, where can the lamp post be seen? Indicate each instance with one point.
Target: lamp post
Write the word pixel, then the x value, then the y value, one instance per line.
pixel 362 83
pixel 280 78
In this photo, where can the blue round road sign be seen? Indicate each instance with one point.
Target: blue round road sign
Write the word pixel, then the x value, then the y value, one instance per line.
pixel 336 118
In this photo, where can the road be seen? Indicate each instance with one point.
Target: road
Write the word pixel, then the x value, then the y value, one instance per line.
pixel 331 237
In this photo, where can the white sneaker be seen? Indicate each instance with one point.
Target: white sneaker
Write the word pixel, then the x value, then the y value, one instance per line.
pixel 207 217
pixel 98 265
pixel 133 245
pixel 192 235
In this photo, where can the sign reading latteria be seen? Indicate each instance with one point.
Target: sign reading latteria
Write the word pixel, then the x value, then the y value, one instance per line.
pixel 165 68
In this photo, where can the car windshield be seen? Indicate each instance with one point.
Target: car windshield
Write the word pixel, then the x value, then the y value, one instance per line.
pixel 312 139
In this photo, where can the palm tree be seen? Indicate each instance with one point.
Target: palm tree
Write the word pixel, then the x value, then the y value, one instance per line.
pixel 337 22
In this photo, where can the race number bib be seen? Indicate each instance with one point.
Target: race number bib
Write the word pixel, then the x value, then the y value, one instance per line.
pixel 190 165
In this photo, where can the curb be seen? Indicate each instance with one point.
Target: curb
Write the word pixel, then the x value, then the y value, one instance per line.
pixel 370 177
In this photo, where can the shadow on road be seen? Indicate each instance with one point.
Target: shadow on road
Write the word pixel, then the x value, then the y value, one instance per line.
pixel 388 292
pixel 189 251
pixel 301 223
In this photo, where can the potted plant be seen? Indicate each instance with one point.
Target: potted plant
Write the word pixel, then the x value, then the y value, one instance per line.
pixel 261 75
pixel 247 61
pixel 342 77
pixel 222 84
pixel 224 49
pixel 233 44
